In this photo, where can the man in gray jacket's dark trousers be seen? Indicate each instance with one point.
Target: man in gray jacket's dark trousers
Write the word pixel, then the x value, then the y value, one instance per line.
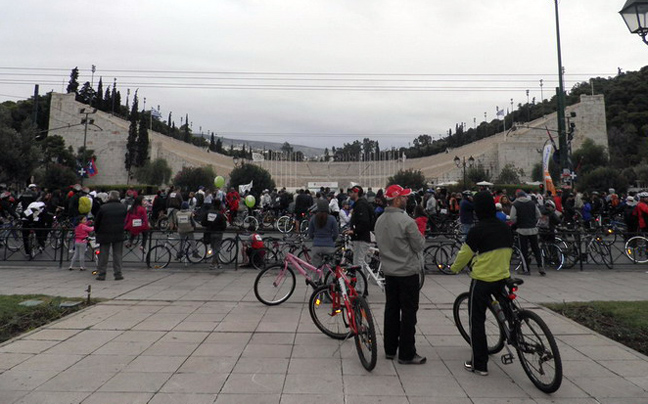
pixel 109 226
pixel 400 243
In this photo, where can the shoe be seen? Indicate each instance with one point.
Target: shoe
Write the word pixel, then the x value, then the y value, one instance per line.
pixel 70 269
pixel 219 266
pixel 118 277
pixel 416 360
pixel 542 272
pixel 525 273
pixel 390 357
pixel 81 269
pixel 212 266
pixel 128 245
pixel 469 367
pixel 100 278
pixel 141 248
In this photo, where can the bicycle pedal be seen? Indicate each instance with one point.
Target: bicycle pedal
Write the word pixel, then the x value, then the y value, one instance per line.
pixel 507 359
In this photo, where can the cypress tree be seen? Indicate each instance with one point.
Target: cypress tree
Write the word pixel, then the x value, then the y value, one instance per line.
pixel 212 143
pixel 106 100
pixel 219 145
pixel 142 141
pixel 186 136
pixel 98 100
pixel 73 84
pixel 131 143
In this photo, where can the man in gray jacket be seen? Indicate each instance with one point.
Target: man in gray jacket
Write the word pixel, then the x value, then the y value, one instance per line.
pixel 400 242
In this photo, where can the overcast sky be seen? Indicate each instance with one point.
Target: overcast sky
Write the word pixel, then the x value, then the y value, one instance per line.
pixel 319 73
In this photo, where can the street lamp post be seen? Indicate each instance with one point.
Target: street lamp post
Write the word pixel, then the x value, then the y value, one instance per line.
pixel 635 15
pixel 87 112
pixel 562 133
pixel 459 163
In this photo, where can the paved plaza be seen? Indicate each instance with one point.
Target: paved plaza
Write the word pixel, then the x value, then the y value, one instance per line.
pixel 197 336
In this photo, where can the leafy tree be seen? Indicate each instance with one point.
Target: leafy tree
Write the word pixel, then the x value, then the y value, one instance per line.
pixel 642 174
pixel 54 152
pixel 409 178
pixel 219 146
pixel 477 174
pixel 536 173
pixel 73 84
pixel 589 157
pixel 510 175
pixel 131 142
pixel 286 148
pixel 142 152
pixel 245 173
pixel 192 177
pixel 156 172
pixel 19 153
pixel 603 178
pixel 57 176
pixel 86 94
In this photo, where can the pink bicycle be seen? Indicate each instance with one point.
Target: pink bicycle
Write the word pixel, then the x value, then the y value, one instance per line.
pixel 275 284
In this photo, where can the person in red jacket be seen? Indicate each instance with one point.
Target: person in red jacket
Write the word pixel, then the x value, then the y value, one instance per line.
pixel 232 199
pixel 137 222
pixel 641 211
pixel 421 219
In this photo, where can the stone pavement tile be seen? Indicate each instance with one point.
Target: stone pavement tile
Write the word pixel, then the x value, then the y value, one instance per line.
pixel 584 340
pixel 237 326
pixel 314 338
pixel 307 384
pixel 49 362
pixel 103 363
pixel 281 327
pixel 140 336
pixel 587 368
pixel 53 397
pixel 75 380
pixel 327 351
pixel 51 335
pixel 84 342
pixel 181 398
pixel 608 352
pixel 9 360
pixel 496 385
pixel 28 346
pixel 180 336
pixel 481 400
pixel 195 383
pixel 432 386
pixel 172 348
pixel 215 307
pixel 240 338
pixel 641 381
pixel 180 308
pixel 196 326
pixel 445 400
pixel 262 383
pixel 315 366
pixel 384 367
pixel 273 338
pixel 609 387
pixel 113 398
pixel 136 382
pixel 568 390
pixel 248 399
pixel 219 350
pixel 267 351
pixel 208 364
pixel 206 317
pixel 333 397
pixel 123 348
pixel 617 400
pixel 351 398
pixel 261 365
pixel 555 400
pixel 25 380
pixel 632 368
pixel 433 367
pixel 11 396
pixel 373 385
pixel 165 364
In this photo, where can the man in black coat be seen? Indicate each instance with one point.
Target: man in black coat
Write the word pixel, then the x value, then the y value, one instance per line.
pixel 361 225
pixel 109 226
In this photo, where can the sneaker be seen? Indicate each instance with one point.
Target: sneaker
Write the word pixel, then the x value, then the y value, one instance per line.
pixel 542 272
pixel 212 266
pixel 416 360
pixel 469 367
pixel 94 272
pixel 81 269
pixel 118 277
pixel 70 269
pixel 525 273
pixel 390 357
pixel 219 266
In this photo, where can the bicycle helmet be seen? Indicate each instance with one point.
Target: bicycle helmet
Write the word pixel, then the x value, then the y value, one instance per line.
pixel 550 204
pixel 643 195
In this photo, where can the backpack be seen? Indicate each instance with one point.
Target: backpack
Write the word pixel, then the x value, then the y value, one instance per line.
pixel 85 205
pixel 200 199
pixel 185 224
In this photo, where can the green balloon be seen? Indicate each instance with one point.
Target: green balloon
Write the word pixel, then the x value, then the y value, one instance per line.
pixel 219 181
pixel 250 201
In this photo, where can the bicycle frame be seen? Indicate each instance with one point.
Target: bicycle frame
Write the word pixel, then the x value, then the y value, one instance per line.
pixel 342 295
pixel 299 264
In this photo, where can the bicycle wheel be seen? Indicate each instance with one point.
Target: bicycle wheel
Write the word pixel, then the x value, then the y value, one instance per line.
pixel 303 226
pixel 361 285
pixel 227 253
pixel 274 285
pixel 494 333
pixel 637 249
pixel 304 255
pixel 444 257
pixel 365 334
pixel 263 258
pixel 600 252
pixel 538 352
pixel 285 224
pixel 429 262
pixel 553 256
pixel 328 318
pixel 158 257
pixel 250 221
pixel 13 240
pixel 197 253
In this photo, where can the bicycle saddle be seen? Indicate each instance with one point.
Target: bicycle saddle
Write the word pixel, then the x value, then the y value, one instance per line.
pixel 514 282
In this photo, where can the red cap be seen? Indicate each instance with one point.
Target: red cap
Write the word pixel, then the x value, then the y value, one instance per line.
pixel 395 190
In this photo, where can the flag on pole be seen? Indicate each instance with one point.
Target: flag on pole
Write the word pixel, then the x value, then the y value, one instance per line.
pixel 92 168
pixel 500 113
pixel 243 188
pixel 546 156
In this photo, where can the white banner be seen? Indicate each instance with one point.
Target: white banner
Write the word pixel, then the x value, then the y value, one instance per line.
pixel 258 157
pixel 243 188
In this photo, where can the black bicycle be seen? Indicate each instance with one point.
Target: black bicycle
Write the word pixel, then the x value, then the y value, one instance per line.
pixel 509 324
